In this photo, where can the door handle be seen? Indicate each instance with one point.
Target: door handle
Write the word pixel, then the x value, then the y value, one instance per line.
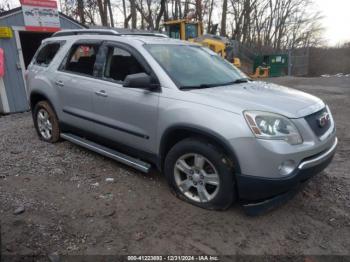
pixel 101 93
pixel 59 83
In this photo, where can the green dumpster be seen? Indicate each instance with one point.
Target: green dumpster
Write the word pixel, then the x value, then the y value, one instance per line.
pixel 278 64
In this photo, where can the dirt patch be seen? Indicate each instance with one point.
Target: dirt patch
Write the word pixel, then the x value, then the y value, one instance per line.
pixel 68 207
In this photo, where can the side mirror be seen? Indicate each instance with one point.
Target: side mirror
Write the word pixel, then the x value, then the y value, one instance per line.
pixel 140 80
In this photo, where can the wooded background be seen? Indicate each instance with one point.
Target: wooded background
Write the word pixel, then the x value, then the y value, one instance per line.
pixel 260 24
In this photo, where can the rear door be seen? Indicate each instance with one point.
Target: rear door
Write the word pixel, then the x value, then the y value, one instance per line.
pixel 73 80
pixel 125 115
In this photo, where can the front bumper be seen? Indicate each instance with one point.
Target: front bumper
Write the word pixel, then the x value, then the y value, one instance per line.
pixel 259 189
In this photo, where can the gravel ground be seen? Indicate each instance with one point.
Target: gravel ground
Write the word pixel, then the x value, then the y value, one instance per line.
pixel 55 199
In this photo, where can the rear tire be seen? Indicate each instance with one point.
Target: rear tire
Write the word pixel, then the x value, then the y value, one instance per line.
pixel 46 122
pixel 199 173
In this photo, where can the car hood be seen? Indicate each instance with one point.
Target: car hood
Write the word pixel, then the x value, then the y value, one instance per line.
pixel 260 96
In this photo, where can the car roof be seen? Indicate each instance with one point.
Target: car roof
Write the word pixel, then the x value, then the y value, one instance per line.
pixel 129 38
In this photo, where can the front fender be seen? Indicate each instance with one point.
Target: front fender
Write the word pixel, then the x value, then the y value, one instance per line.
pixel 220 125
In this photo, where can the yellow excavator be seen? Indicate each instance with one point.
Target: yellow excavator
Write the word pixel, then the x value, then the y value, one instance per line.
pixel 191 30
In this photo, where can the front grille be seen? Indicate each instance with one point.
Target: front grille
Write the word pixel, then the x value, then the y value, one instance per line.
pixel 313 121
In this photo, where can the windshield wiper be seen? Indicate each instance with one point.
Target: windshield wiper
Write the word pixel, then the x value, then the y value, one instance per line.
pixel 201 86
pixel 241 80
pixel 237 81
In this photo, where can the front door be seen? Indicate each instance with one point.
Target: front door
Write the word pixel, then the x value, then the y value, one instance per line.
pixel 125 115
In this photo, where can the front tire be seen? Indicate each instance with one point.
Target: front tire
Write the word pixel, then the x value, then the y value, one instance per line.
pixel 199 173
pixel 46 122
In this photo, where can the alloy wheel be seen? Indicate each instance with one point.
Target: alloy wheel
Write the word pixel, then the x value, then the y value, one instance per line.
pixel 44 124
pixel 196 177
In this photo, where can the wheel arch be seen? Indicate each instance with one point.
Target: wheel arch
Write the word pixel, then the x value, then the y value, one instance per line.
pixel 36 97
pixel 175 134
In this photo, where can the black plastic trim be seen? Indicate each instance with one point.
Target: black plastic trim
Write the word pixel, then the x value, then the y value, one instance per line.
pixel 39 93
pixel 125 149
pixel 252 188
pixel 256 209
pixel 312 120
pixel 36 93
pixel 106 124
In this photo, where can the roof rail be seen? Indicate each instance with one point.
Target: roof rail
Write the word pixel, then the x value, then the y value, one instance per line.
pixel 146 34
pixel 86 32
pixel 104 32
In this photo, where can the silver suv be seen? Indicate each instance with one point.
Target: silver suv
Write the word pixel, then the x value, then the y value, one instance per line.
pixel 145 101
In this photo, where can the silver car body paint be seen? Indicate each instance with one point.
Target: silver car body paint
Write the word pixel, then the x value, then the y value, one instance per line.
pixel 217 110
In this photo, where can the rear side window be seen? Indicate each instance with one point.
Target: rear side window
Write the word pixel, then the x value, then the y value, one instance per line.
pixel 46 54
pixel 82 59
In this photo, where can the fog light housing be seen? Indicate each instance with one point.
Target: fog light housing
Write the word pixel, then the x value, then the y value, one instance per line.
pixel 286 167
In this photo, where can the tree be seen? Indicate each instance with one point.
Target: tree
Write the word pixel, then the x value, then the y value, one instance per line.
pixel 133 13
pixel 223 18
pixel 81 12
pixel 126 17
pixel 267 25
pixel 110 12
pixel 161 13
pixel 102 8
pixel 261 25
pixel 210 14
pixel 199 12
pixel 5 5
pixel 90 11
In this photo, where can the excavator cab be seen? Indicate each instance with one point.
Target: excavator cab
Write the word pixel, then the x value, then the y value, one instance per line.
pixel 192 30
pixel 183 29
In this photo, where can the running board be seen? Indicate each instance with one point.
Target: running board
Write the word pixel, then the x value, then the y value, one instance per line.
pixel 105 151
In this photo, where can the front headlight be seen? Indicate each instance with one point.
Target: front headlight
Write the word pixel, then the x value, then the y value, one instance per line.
pixel 272 126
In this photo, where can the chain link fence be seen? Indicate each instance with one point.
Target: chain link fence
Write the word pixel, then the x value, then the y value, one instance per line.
pixel 298 62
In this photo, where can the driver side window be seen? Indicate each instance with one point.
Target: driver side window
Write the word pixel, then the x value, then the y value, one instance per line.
pixel 119 64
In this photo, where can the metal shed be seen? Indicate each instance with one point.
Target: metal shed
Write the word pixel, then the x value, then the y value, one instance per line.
pixel 18 52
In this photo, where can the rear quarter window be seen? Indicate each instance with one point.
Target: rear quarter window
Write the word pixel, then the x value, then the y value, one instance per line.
pixel 46 54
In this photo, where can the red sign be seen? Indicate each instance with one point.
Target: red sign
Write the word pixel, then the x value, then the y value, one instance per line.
pixel 40 15
pixel 42 29
pixel 52 4
pixel 2 63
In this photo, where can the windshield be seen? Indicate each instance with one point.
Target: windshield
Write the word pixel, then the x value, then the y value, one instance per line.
pixel 194 66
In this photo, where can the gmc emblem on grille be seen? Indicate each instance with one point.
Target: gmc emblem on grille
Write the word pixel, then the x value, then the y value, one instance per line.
pixel 323 120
